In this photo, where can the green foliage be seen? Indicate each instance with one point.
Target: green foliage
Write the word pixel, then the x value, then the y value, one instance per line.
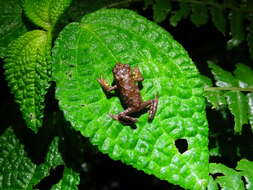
pixel 87 50
pixel 161 9
pixel 69 181
pixel 11 23
pixel 17 171
pixel 231 93
pixel 232 179
pixel 28 65
pixel 27 70
pixel 237 13
pixel 180 14
pixel 45 13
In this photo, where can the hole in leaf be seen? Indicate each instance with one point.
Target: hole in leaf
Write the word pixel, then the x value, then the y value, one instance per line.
pixel 181 145
pixel 216 175
pixel 53 178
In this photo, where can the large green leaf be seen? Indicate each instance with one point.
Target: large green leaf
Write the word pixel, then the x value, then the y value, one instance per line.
pixel 45 13
pixel 87 50
pixel 17 171
pixel 28 71
pixel 11 23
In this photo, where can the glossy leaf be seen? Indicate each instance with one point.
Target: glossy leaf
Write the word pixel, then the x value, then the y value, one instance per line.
pixel 199 14
pixel 245 168
pixel 161 9
pixel 11 23
pixel 45 13
pixel 69 181
pixel 237 104
pixel 87 50
pixel 245 75
pixel 230 179
pixel 183 12
pixel 17 171
pixel 27 71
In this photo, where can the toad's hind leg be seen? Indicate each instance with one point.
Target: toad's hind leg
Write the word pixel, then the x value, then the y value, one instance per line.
pixel 152 104
pixel 124 118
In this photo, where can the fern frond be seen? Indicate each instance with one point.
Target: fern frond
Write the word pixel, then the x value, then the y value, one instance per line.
pixel 229 92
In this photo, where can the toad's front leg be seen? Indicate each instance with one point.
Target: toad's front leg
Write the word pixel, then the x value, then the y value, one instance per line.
pixel 105 85
pixel 124 118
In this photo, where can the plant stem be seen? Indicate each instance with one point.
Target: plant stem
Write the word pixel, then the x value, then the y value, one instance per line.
pixel 229 88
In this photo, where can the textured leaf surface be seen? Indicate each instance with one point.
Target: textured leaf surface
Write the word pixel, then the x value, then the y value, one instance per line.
pixel 230 180
pixel 45 13
pixel 199 14
pixel 161 9
pixel 17 171
pixel 245 168
pixel 237 104
pixel 27 71
pixel 11 23
pixel 87 50
pixel 183 12
pixel 69 181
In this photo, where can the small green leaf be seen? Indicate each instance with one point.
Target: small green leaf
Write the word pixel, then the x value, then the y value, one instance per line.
pixel 161 9
pixel 183 12
pixel 199 14
pixel 250 39
pixel 245 75
pixel 250 108
pixel 11 23
pixel 45 13
pixel 69 181
pixel 237 29
pixel 231 179
pixel 17 171
pixel 27 71
pixel 85 51
pixel 223 78
pixel 216 98
pixel 218 18
pixel 245 168
pixel 237 104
